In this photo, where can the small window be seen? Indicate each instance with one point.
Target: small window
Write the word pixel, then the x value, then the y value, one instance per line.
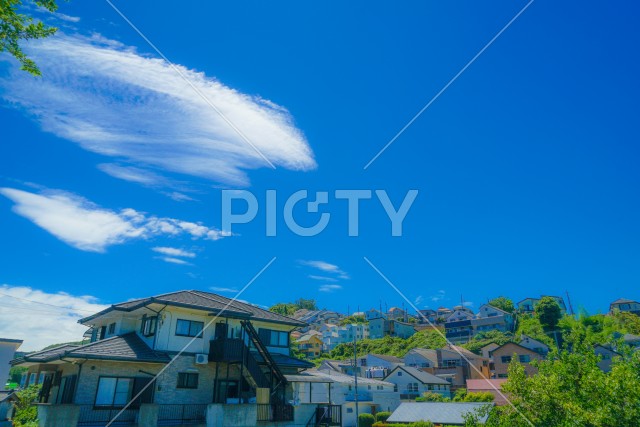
pixel 349 410
pixel 113 391
pixel 524 358
pixel 189 328
pixel 506 359
pixel 148 327
pixel 187 380
pixel 399 373
pixel 112 329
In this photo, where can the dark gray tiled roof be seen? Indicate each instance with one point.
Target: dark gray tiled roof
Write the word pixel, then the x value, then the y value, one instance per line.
pixel 128 347
pixel 203 301
pixel 422 376
pixel 45 355
pixel 436 412
pixel 285 361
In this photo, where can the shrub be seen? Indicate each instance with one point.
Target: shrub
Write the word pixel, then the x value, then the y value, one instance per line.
pixel 422 424
pixel 429 396
pixel 382 416
pixel 26 414
pixel 366 420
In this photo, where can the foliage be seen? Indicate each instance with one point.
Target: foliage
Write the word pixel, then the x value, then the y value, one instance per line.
pixel 288 308
pixel 483 338
pixel 357 319
pixel 25 412
pixel 548 312
pixel 15 373
pixel 503 303
pixel 382 416
pixel 429 396
pixel 393 346
pixel 366 420
pixel 63 343
pixel 570 389
pixel 530 325
pixel 416 424
pixel 16 27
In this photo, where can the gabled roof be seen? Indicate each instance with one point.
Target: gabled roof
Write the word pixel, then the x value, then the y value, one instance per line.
pixel 392 359
pixel 436 412
pixel 129 347
pixel 45 355
pixel 285 361
pixel 339 377
pixel 205 301
pixel 512 343
pixel 623 301
pixel 422 376
pixel 496 308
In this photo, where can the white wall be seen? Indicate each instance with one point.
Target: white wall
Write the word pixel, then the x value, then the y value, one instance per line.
pixel 7 351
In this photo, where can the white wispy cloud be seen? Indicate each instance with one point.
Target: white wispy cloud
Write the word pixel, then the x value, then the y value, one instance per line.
pixel 325 267
pixel 88 227
pixel 43 318
pixel 323 278
pixel 172 260
pixel 113 101
pixel 174 252
pixel 224 290
pixel 468 304
pixel 419 299
pixel 438 296
pixel 329 288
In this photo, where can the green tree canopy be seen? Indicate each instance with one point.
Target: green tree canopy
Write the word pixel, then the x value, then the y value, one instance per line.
pixel 548 312
pixel 16 27
pixel 503 303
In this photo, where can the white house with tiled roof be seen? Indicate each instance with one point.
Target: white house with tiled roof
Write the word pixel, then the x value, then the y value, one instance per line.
pixel 195 354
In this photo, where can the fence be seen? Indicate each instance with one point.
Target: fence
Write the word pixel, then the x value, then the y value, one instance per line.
pixel 91 416
pixel 170 415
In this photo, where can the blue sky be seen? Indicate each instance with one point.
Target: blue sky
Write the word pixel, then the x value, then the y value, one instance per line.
pixel 526 166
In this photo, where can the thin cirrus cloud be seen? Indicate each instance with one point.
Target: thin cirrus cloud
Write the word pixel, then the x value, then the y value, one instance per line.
pixel 329 287
pixel 113 101
pixel 224 290
pixel 174 255
pixel 325 267
pixel 88 227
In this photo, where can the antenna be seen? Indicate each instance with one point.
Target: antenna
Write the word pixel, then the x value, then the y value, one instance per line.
pixel 569 301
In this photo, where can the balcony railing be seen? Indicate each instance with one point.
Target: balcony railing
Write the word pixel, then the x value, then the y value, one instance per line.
pixel 180 415
pixel 409 395
pixel 275 412
pixel 226 350
pixel 91 416
pixel 363 396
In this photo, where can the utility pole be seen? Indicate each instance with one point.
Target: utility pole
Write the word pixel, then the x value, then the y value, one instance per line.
pixel 355 377
pixel 569 301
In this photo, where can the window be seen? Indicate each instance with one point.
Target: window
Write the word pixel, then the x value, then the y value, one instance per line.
pixel 399 373
pixel 524 358
pixel 189 328
pixel 425 365
pixel 506 359
pixel 114 391
pixel 412 387
pixel 148 327
pixel 112 328
pixel 349 410
pixel 502 375
pixel 187 380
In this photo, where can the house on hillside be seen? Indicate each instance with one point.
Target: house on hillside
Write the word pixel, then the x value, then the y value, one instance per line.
pixel 195 354
pixel 463 324
pixel 493 386
pixel 412 382
pixel 310 345
pixel 624 304
pixel 606 355
pixel 456 365
pixel 381 327
pixel 528 305
pixel 314 319
pixel 421 358
pixel 502 356
pixel 534 344
pixel 374 314
pixel 438 413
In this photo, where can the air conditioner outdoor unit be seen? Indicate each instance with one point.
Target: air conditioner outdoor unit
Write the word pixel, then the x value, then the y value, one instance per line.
pixel 202 359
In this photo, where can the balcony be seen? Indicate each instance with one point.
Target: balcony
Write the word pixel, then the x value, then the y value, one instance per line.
pixel 226 350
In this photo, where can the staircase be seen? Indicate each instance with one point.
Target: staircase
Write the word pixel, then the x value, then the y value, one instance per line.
pixel 274 371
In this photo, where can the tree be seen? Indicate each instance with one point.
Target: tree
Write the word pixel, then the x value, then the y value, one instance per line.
pixel 309 304
pixel 429 396
pixel 503 303
pixel 366 420
pixel 548 313
pixel 25 413
pixel 16 27
pixel 15 373
pixel 284 309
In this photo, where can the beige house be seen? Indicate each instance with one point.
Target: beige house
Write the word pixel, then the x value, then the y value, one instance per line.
pixel 503 355
pixel 180 358
pixel 310 345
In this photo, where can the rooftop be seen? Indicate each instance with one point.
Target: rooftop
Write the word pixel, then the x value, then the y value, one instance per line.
pixel 436 412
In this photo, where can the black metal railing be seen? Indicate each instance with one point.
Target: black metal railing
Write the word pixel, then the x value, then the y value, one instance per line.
pixel 226 350
pixel 328 415
pixel 275 412
pixel 171 415
pixel 91 416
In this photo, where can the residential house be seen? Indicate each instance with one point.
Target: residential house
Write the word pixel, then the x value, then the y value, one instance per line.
pixel 412 382
pixel 606 355
pixel 443 313
pixel 374 314
pixel 310 345
pixel 372 395
pixel 534 344
pixel 421 358
pixel 527 305
pixel 397 313
pixel 503 355
pixel 333 335
pixel 381 327
pixel 427 316
pixel 195 354
pixel 8 349
pixel 380 361
pixel 456 365
pixel 438 413
pixel 463 324
pixel 314 319
pixel 624 304
pixel 493 386
pixel 487 349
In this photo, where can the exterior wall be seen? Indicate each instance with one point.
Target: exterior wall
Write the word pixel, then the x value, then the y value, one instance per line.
pixel 487 349
pixel 7 351
pixel 534 345
pixel 513 350
pixel 376 328
pixel 404 379
pixel 418 360
pixel 311 347
pixel 371 360
pixel 402 330
pixel 632 307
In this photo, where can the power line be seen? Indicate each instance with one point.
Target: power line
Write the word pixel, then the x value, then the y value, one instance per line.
pixel 44 303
